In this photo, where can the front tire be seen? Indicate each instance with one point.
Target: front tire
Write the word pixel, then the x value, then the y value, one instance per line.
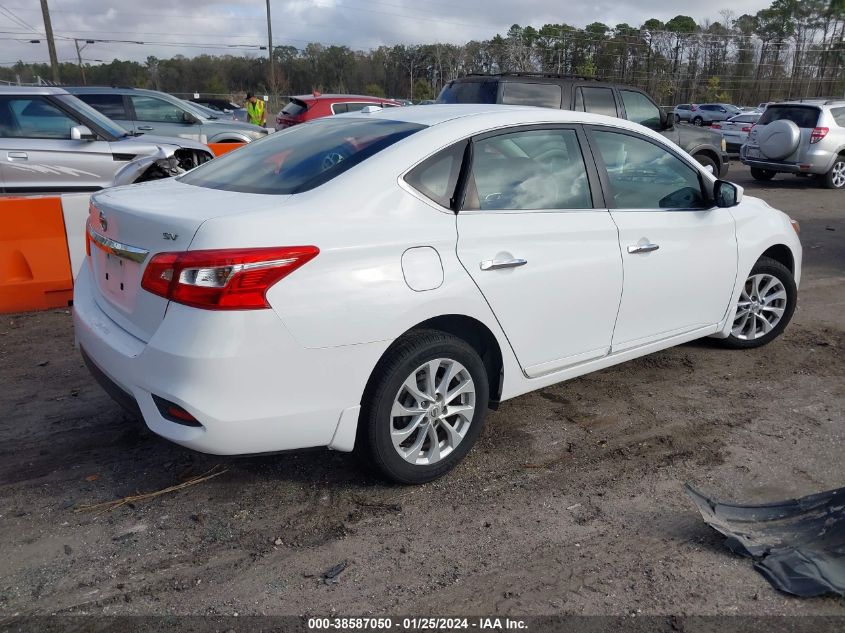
pixel 423 408
pixel 763 175
pixel 698 121
pixel 765 307
pixel 835 178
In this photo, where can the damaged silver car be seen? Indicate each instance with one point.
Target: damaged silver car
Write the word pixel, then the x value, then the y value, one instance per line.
pixel 50 141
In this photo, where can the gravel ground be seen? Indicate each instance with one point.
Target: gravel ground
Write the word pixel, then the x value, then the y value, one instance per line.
pixel 571 503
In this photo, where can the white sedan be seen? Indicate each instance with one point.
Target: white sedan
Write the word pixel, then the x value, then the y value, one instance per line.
pixel 374 282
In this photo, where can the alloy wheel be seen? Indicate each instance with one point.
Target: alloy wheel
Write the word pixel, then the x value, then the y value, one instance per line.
pixel 838 175
pixel 432 411
pixel 760 308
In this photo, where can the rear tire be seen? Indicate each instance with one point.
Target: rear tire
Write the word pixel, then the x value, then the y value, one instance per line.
pixel 762 175
pixel 835 178
pixel 440 382
pixel 765 307
pixel 677 119
pixel 698 121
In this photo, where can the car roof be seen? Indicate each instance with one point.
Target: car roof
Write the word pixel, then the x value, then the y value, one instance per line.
pixel 337 97
pixel 493 116
pixel 32 90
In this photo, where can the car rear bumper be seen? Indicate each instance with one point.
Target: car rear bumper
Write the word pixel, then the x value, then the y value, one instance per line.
pixel 816 162
pixel 240 374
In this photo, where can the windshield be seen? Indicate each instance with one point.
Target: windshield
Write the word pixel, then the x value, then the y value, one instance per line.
pixel 469 92
pixel 100 120
pixel 300 158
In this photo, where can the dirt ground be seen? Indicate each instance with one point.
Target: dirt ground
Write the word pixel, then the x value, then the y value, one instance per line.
pixel 571 503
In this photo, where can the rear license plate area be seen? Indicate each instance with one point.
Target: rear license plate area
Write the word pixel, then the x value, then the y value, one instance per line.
pixel 117 279
pixel 752 152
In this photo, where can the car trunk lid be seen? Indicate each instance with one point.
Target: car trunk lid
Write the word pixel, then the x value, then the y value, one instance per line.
pixel 129 225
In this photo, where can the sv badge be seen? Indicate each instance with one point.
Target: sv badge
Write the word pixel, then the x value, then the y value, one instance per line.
pixel 170 236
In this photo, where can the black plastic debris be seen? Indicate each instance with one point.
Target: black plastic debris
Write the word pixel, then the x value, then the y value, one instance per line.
pixel 798 545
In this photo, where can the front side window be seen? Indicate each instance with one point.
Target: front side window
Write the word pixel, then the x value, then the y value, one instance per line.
pixel 643 175
pixel 156 110
pixel 33 117
pixel 640 109
pixel 529 170
pixel 300 158
pixel 544 95
pixel 595 100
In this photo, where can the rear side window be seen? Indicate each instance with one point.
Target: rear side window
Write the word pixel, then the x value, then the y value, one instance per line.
pixel 544 95
pixel 156 110
pixel 469 92
pixel 111 105
pixel 436 177
pixel 838 116
pixel 595 100
pixel 800 115
pixel 300 158
pixel 340 108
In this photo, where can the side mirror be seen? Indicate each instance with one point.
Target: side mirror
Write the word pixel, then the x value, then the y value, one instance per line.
pixel 82 133
pixel 187 117
pixel 727 194
pixel 667 120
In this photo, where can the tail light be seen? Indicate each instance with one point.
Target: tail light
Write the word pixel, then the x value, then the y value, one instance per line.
pixel 230 279
pixel 694 107
pixel 818 134
pixel 747 128
pixel 716 126
pixel 87 238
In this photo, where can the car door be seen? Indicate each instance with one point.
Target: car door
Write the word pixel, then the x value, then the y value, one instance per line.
pixel 535 238
pixel 37 153
pixel 679 251
pixel 154 115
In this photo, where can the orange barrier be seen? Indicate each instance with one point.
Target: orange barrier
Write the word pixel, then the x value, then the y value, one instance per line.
pixel 34 264
pixel 221 148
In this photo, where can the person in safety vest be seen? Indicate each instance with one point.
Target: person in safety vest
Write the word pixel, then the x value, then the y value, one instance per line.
pixel 255 110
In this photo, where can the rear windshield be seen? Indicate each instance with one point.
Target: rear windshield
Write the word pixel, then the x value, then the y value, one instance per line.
pixel 300 158
pixel 469 92
pixel 294 108
pixel 802 116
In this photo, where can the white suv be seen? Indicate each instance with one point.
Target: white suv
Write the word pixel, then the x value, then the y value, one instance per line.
pixel 799 137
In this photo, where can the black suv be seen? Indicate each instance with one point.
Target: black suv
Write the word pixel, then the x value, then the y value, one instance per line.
pixel 585 94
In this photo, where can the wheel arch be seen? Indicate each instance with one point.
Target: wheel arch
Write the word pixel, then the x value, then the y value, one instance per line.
pixel 229 137
pixel 780 253
pixel 709 153
pixel 476 334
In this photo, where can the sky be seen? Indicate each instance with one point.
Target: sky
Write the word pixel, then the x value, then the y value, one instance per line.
pixel 218 27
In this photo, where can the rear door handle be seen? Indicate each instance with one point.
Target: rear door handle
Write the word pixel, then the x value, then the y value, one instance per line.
pixel 643 248
pixel 145 128
pixel 17 155
pixel 493 264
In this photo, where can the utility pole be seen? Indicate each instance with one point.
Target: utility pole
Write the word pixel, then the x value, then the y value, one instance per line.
pixel 270 52
pixel 79 57
pixel 51 44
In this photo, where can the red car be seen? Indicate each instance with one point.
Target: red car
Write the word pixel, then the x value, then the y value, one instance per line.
pixel 306 107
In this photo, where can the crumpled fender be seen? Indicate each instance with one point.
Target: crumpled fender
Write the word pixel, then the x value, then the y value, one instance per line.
pixel 133 170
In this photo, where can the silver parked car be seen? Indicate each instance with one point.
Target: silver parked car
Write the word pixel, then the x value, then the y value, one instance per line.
pixel 735 130
pixel 50 141
pixel 799 137
pixel 151 112
pixel 705 113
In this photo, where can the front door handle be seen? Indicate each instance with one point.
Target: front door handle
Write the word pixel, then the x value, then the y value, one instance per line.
pixel 494 264
pixel 17 155
pixel 643 248
pixel 145 128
